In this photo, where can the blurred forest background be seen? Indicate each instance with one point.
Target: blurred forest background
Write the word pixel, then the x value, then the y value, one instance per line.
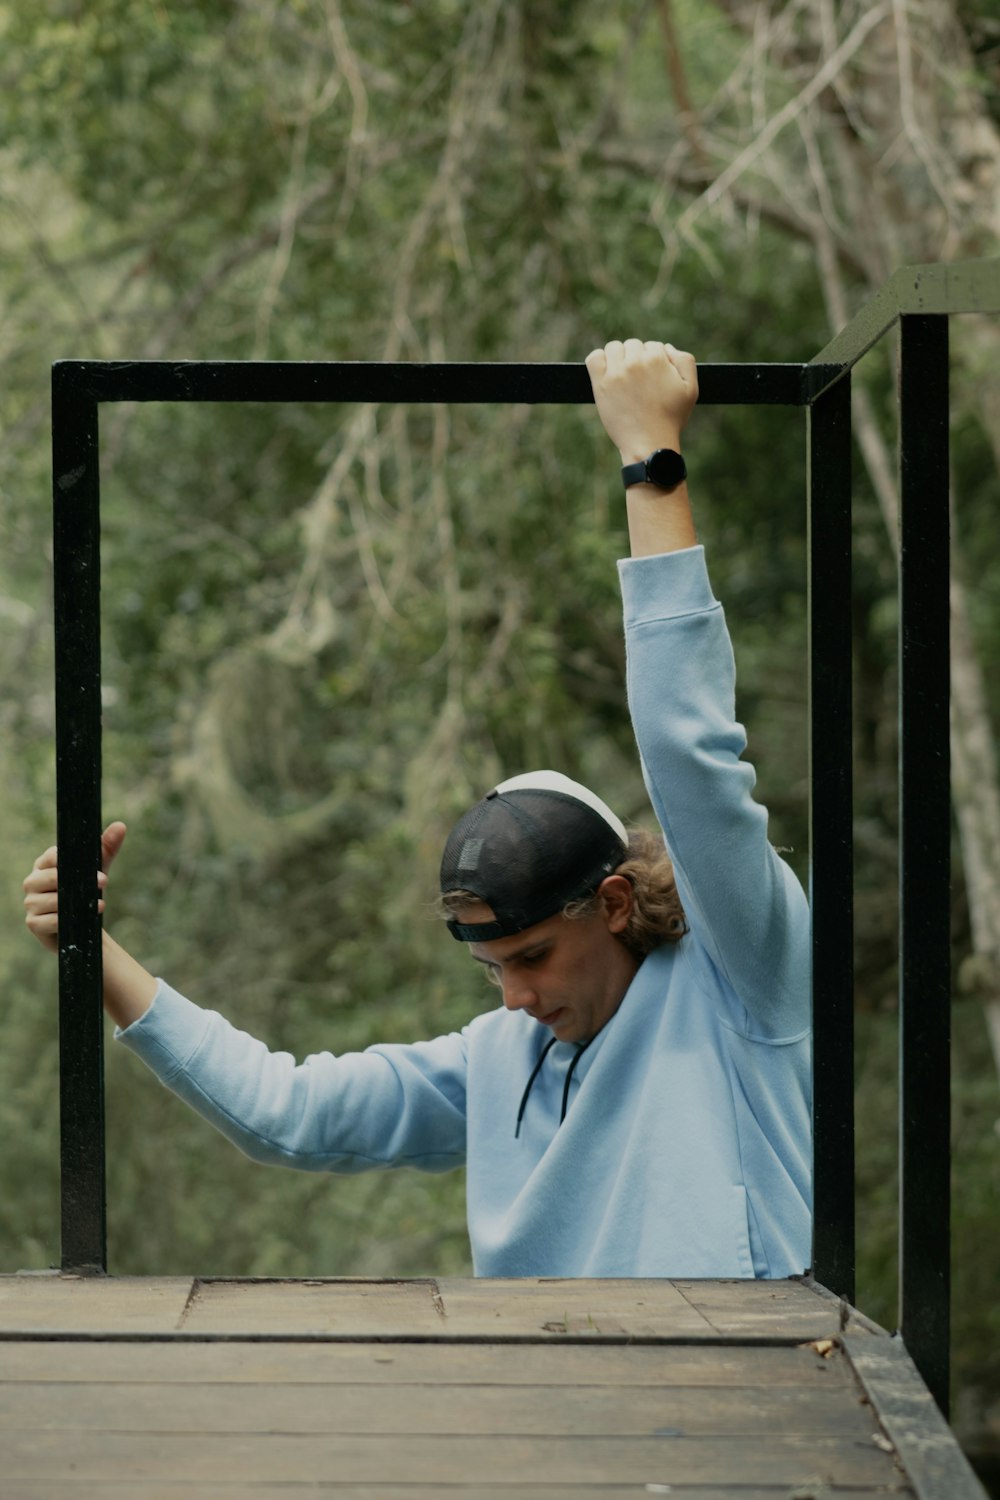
pixel 327 630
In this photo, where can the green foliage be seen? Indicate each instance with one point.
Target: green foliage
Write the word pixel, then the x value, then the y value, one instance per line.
pixel 975 1184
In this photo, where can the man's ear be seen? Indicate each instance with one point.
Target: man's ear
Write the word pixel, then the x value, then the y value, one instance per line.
pixel 617 899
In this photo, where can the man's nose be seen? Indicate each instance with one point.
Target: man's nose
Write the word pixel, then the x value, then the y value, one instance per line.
pixel 516 993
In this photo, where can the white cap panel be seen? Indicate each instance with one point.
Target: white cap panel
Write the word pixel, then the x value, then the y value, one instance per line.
pixel 555 781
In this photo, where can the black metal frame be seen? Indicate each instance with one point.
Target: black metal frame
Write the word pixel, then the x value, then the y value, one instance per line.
pixel 920 299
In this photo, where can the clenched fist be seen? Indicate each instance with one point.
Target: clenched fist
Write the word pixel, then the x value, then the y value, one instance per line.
pixel 644 394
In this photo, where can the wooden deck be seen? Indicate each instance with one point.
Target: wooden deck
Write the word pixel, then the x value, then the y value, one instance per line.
pixel 178 1388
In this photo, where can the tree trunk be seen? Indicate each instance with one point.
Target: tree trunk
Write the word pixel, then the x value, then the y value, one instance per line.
pixel 894 160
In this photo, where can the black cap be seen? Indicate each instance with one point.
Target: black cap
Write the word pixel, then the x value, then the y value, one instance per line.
pixel 531 845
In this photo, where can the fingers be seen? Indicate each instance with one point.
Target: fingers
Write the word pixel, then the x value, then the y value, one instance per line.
pixel 617 353
pixel 41 888
pixel 41 909
pixel 684 363
pixel 45 929
pixel 111 841
pixel 614 354
pixel 41 903
pixel 644 392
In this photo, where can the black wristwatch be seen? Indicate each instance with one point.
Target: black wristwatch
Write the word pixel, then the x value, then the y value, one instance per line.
pixel 664 468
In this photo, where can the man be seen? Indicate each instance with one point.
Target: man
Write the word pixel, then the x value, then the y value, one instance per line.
pixel 639 1106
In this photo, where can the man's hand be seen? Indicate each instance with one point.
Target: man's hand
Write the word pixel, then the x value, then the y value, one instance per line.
pixel 41 899
pixel 644 393
pixel 129 989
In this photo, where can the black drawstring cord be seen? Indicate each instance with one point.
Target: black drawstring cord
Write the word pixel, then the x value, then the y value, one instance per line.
pixel 534 1074
pixel 581 1049
pixel 570 1071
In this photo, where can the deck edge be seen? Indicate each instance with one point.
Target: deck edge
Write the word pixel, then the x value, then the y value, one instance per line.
pixel 928 1449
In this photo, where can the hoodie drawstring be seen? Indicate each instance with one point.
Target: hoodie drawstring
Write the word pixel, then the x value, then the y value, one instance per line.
pixel 534 1074
pixel 581 1049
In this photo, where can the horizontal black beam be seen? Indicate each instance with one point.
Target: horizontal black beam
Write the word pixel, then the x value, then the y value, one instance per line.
pixel 418 384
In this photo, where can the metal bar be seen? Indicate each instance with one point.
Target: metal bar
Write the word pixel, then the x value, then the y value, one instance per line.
pixel 556 384
pixel 961 286
pixel 925 848
pixel 77 388
pixel 830 836
pixel 823 386
pixel 76 565
pixel 817 378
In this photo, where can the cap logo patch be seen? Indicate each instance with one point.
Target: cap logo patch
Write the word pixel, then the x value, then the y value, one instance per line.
pixel 469 857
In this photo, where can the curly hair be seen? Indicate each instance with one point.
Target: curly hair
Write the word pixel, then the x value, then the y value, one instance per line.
pixel 657 914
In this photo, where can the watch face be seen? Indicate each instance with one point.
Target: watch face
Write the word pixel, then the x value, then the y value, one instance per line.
pixel 666 468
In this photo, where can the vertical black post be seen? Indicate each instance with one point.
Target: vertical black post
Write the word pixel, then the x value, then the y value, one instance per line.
pixel 925 846
pixel 77 583
pixel 830 835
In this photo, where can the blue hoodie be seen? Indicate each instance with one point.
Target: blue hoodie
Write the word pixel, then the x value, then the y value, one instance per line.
pixel 685 1150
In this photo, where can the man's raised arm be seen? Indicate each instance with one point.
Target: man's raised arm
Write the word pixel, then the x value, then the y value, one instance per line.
pixel 644 394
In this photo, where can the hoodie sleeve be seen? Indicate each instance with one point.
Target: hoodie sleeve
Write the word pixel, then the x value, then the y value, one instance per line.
pixel 744 906
pixel 386 1106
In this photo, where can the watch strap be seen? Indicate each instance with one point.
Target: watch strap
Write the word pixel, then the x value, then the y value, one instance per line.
pixel 634 473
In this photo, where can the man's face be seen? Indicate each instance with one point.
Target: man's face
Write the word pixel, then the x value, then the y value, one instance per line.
pixel 569 975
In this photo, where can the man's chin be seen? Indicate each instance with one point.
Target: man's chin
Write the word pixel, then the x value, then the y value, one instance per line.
pixel 562 1024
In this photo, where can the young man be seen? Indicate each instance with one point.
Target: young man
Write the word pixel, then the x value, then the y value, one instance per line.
pixel 639 1106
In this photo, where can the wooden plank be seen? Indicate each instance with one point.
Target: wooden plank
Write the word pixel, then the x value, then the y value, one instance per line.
pixel 92 1304
pixel 853 1321
pixel 467 1409
pixel 452 1307
pixel 937 1467
pixel 756 1309
pixel 548 1308
pixel 420 1459
pixel 387 1363
pixel 111 1489
pixel 360 1309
